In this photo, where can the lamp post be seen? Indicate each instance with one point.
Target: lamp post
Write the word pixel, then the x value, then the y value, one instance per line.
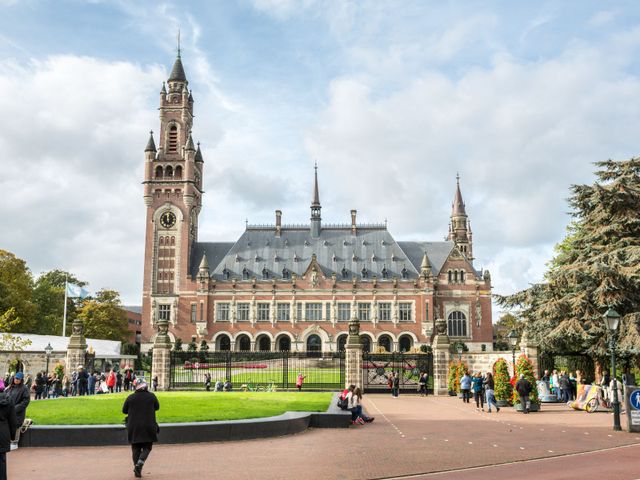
pixel 47 351
pixel 613 319
pixel 459 349
pixel 513 341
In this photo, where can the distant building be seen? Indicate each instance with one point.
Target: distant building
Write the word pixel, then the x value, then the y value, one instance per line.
pixel 134 323
pixel 294 287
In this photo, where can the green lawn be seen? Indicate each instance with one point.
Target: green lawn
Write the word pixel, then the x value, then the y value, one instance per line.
pixel 177 407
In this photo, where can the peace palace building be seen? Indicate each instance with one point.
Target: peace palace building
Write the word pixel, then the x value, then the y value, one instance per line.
pixel 281 287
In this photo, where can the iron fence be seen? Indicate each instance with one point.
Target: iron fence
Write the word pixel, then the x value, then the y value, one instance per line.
pixel 258 370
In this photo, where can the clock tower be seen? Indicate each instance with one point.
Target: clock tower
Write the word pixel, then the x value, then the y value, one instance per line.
pixel 173 197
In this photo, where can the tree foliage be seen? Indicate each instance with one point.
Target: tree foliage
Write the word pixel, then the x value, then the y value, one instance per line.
pixel 595 267
pixel 525 367
pixel 16 293
pixel 104 316
pixel 502 386
pixel 48 295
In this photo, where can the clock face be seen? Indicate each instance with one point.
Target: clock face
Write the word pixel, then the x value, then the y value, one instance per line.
pixel 167 219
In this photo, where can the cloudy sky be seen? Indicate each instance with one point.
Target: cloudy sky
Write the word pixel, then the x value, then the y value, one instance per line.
pixel 392 98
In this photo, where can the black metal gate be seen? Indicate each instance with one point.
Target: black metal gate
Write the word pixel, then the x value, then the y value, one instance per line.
pixel 569 362
pixel 258 370
pixel 377 368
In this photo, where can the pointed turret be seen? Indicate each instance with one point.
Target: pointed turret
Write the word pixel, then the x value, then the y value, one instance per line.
pixel 190 145
pixel 204 264
pixel 198 157
pixel 177 72
pixel 458 204
pixel 425 267
pixel 164 88
pixel 315 206
pixel 459 230
pixel 151 145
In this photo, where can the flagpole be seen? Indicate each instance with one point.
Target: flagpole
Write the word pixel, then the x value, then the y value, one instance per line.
pixel 64 317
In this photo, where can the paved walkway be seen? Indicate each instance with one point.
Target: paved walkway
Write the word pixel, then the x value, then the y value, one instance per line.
pixel 412 436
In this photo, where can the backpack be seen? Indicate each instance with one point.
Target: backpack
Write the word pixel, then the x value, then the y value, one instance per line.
pixel 343 404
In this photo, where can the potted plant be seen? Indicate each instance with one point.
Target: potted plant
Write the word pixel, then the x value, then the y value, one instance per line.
pixel 456 371
pixel 502 386
pixel 525 367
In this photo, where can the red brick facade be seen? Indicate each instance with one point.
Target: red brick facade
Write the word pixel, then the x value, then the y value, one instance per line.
pixel 294 287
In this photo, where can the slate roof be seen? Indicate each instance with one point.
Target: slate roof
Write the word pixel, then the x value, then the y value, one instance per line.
pixel 371 252
pixel 177 72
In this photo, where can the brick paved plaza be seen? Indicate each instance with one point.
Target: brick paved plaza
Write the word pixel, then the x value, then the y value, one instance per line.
pixel 410 436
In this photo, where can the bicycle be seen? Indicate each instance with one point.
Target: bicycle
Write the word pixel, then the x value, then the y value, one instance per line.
pixel 602 403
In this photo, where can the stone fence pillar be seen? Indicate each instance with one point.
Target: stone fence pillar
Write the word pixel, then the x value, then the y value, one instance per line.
pixel 161 359
pixel 353 356
pixel 440 349
pixel 531 351
pixel 77 347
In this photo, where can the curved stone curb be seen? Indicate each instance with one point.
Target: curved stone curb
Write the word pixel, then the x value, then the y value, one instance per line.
pixel 218 431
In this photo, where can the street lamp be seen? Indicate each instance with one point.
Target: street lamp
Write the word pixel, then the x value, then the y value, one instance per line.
pixel 513 341
pixel 613 319
pixel 47 351
pixel 459 349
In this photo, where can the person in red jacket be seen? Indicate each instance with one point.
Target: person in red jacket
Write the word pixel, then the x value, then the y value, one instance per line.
pixel 111 381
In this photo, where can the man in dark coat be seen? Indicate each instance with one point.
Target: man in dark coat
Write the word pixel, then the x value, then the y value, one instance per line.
pixel 19 395
pixel 83 380
pixel 142 429
pixel 8 426
pixel 523 387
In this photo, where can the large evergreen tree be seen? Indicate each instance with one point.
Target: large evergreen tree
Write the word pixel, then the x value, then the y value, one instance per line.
pixel 596 266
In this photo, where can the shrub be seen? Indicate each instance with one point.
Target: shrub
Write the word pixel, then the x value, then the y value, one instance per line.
pixel 525 367
pixel 503 389
pixel 59 370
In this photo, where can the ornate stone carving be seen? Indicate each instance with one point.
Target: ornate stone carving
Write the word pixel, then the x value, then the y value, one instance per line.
pixel 441 326
pixel 77 327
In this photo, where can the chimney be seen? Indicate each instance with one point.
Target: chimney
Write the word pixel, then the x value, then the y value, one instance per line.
pixel 278 222
pixel 353 221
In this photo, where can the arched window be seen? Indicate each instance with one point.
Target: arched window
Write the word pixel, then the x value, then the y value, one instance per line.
pixel 365 273
pixel 457 324
pixel 314 344
pixel 223 343
pixel 178 172
pixel 405 343
pixel 385 341
pixel 345 274
pixel 245 273
pixel 243 343
pixel 342 341
pixel 265 273
pixel 168 172
pixel 285 274
pixel 173 139
pixel 159 172
pixel 405 272
pixel 365 340
pixel 284 343
pixel 225 273
pixel 161 240
pixel 461 276
pixel 385 272
pixel 264 344
pixel 173 241
pixel 449 276
pixel 455 276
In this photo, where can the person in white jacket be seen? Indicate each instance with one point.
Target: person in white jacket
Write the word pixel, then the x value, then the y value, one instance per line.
pixel 354 399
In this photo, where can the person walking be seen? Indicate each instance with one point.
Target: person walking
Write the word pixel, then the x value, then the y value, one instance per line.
pixel 395 389
pixel 523 387
pixel 8 428
pixel 300 381
pixel 111 381
pixel 465 387
pixel 488 391
pixel 422 383
pixel 476 386
pixel 19 394
pixel 142 428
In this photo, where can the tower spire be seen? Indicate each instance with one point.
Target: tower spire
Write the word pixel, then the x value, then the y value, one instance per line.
pixel 315 205
pixel 178 43
pixel 459 230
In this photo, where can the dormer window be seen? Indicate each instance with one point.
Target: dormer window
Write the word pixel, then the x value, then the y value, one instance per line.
pixel 344 272
pixel 365 273
pixel 225 273
pixel 306 243
pixel 285 274
pixel 245 273
pixel 295 257
pixel 405 272
pixel 173 139
pixel 265 273
pixel 385 272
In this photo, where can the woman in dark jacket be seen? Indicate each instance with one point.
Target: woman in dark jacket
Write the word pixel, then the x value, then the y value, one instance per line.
pixel 8 427
pixel 142 429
